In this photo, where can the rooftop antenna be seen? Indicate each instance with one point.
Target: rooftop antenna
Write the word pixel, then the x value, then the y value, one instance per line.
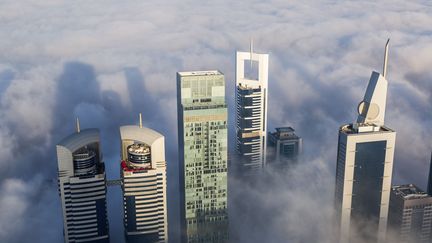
pixel 251 51
pixel 140 120
pixel 385 58
pixel 78 125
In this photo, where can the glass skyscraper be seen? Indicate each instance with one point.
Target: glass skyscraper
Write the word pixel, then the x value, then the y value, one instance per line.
pixel 82 187
pixel 143 173
pixel 202 135
pixel 251 112
pixel 364 167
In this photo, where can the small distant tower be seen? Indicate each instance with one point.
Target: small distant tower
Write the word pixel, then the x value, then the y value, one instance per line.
pixel 143 173
pixel 251 111
pixel 410 215
pixel 82 187
pixel 283 147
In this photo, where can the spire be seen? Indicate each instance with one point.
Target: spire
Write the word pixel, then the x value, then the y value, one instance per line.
pixel 385 58
pixel 251 51
pixel 78 125
pixel 140 120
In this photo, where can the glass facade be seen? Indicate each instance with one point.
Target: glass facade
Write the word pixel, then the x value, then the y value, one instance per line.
pixel 203 156
pixel 367 186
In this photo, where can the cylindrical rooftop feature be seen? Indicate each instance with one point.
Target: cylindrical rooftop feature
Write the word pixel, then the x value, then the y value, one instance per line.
pixel 84 162
pixel 139 155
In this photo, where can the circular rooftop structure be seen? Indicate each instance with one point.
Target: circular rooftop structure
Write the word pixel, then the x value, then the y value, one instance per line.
pixel 84 162
pixel 139 155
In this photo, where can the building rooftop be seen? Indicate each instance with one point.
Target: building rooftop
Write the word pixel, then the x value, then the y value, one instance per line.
pixel 142 134
pixel 409 192
pixel 200 73
pixel 285 133
pixel 363 128
pixel 79 139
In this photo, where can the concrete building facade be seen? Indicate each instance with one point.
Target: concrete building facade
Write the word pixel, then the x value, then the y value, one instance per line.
pixel 410 215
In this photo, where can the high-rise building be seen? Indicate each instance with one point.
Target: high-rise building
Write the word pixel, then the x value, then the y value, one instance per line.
pixel 251 111
pixel 364 167
pixel 410 215
pixel 202 135
pixel 82 187
pixel 283 147
pixel 429 187
pixel 143 173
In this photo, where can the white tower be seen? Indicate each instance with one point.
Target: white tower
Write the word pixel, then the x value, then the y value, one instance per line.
pixel 82 187
pixel 364 167
pixel 251 108
pixel 143 172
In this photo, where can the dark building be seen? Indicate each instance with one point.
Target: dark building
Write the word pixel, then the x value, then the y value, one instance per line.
pixel 283 147
pixel 410 215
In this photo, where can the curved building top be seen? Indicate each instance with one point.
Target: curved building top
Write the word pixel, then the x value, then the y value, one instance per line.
pixel 136 134
pixel 77 140
pixel 70 144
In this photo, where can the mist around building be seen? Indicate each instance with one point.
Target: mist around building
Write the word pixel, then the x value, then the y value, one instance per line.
pixel 284 123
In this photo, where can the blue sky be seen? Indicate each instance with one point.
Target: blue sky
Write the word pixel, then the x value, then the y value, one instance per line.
pixel 105 61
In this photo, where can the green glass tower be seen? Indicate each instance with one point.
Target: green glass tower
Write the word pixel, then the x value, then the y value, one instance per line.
pixel 202 127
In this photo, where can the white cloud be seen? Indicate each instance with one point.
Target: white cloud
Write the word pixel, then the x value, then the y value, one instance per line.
pixel 321 56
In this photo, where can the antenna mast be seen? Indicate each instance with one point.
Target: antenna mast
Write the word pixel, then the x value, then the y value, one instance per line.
pixel 78 130
pixel 385 58
pixel 140 120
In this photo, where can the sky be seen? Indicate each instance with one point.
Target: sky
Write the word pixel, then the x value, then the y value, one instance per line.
pixel 106 61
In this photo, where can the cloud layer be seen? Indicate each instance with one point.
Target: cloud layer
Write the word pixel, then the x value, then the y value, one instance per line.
pixel 105 61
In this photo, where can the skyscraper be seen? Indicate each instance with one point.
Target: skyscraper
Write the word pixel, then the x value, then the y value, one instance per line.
pixel 410 215
pixel 251 108
pixel 82 187
pixel 283 147
pixel 364 167
pixel 202 135
pixel 143 173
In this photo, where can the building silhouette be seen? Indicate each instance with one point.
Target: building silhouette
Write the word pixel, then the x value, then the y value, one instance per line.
pixel 410 215
pixel 82 187
pixel 203 145
pixel 283 147
pixel 364 167
pixel 143 175
pixel 251 111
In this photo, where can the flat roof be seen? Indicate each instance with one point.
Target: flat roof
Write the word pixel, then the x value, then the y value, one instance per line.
pixel 200 73
pixel 285 129
pixel 409 192
pixel 350 128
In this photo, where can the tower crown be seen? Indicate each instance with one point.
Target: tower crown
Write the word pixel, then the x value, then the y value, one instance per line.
pixel 372 109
